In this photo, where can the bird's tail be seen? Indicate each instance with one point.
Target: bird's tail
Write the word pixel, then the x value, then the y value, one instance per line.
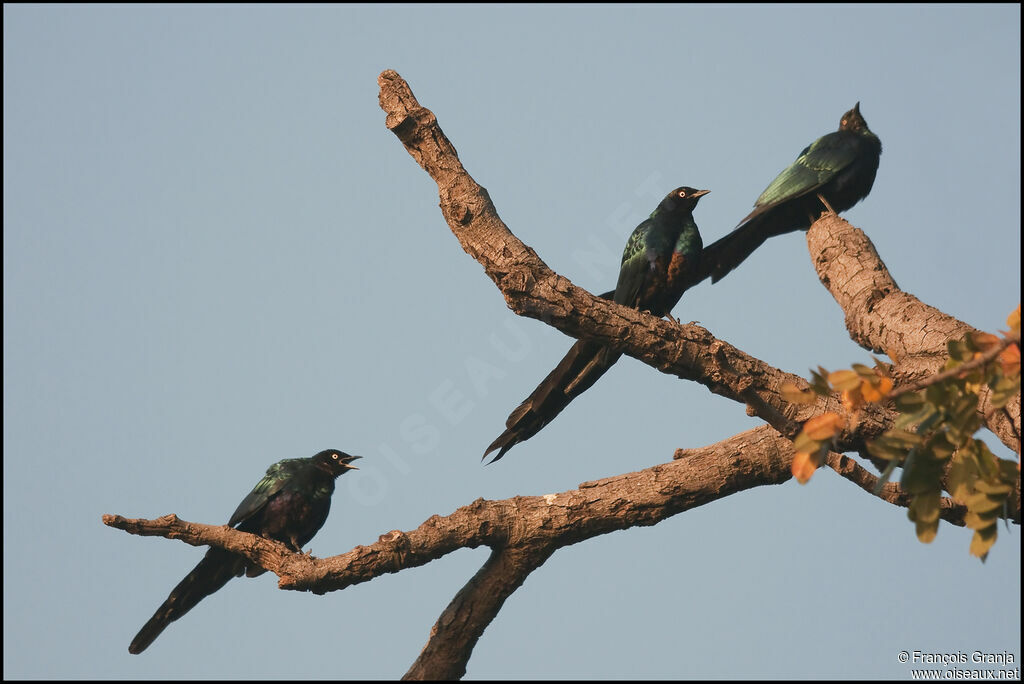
pixel 578 370
pixel 728 252
pixel 213 572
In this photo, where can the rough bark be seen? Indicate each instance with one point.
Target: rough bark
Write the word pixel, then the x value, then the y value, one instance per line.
pixel 523 532
pixel 883 318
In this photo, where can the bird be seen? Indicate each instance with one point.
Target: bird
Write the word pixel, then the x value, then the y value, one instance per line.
pixel 834 172
pixel 657 266
pixel 288 505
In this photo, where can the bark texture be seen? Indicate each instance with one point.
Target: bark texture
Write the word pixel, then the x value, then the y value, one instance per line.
pixel 524 531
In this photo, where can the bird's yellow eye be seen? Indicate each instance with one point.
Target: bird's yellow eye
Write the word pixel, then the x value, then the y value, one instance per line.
pixel 334 456
pixel 682 193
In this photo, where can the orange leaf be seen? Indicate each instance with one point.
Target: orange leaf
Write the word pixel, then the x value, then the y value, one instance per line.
pixel 1009 359
pixel 803 466
pixel 875 392
pixel 1013 320
pixel 823 427
pixel 852 399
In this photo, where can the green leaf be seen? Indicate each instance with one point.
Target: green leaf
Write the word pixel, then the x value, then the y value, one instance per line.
pixel 921 473
pixel 983 541
pixel 979 521
pixel 939 393
pixel 1004 390
pixel 925 417
pixel 819 381
pixel 865 372
pixel 925 507
pixel 963 420
pixel 924 511
pixel 985 462
pixel 1008 471
pixel 982 503
pixel 887 449
pixel 940 447
pixel 961 476
pixel 994 488
pixel 910 402
pixel 903 438
pixel 959 351
pixel 805 444
pixel 884 477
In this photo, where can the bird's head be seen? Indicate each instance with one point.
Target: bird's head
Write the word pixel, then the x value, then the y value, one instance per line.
pixel 335 462
pixel 853 121
pixel 682 199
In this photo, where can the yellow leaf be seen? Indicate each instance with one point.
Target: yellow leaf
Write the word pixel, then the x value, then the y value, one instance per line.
pixel 926 531
pixel 823 427
pixel 804 465
pixel 1013 320
pixel 844 379
pixel 795 395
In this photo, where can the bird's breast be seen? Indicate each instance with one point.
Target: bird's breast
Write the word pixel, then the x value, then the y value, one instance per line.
pixel 292 513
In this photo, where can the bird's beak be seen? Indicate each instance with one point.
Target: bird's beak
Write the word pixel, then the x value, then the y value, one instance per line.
pixel 856 108
pixel 700 193
pixel 348 462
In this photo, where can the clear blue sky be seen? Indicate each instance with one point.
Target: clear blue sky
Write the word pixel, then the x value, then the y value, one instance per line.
pixel 216 256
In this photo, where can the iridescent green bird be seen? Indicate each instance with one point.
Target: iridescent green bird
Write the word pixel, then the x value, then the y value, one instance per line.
pixel 289 505
pixel 838 168
pixel 658 265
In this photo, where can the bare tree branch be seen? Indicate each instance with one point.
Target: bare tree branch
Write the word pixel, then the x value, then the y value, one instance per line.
pixel 524 531
pixel 532 289
pixel 454 635
pixel 267 553
pixel 767 442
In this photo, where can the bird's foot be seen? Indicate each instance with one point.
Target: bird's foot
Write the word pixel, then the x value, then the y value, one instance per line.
pixel 827 205
pixel 672 318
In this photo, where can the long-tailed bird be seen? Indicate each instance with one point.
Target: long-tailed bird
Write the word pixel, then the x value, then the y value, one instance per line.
pixel 289 505
pixel 838 169
pixel 658 264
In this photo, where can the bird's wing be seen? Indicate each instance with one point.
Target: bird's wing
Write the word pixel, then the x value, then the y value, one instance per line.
pixel 271 484
pixel 816 165
pixel 636 265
